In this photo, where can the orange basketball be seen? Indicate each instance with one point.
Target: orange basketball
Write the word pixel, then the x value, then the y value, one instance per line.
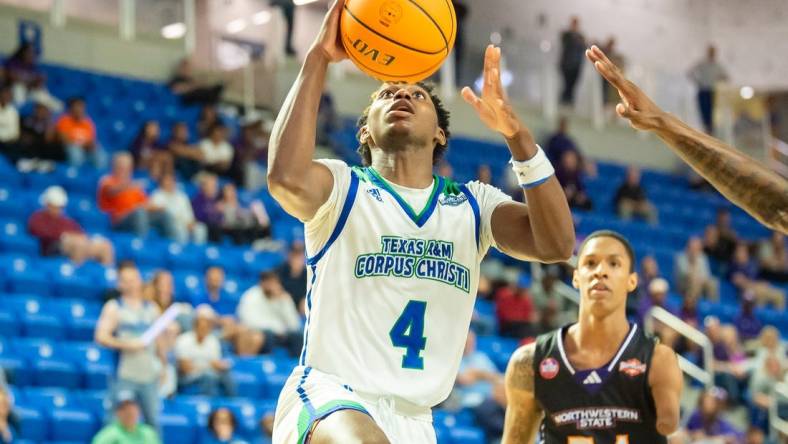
pixel 398 40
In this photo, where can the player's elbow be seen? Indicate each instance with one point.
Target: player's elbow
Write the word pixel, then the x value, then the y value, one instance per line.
pixel 282 182
pixel 668 426
pixel 559 250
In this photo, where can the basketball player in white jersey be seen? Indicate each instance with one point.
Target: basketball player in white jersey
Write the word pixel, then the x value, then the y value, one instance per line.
pixel 394 252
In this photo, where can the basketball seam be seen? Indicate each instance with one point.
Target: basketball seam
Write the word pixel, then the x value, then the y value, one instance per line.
pixel 454 23
pixel 443 36
pixel 369 28
pixel 431 69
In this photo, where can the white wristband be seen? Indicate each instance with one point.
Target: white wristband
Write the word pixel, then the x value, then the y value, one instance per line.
pixel 534 171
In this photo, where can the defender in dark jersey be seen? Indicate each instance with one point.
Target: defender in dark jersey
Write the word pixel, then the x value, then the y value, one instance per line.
pixel 601 380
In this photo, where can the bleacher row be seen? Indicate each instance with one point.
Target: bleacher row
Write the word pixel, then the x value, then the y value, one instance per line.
pixel 49 307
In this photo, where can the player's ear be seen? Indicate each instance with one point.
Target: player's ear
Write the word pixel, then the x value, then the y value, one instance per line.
pixel 575 280
pixel 632 282
pixel 364 136
pixel 440 137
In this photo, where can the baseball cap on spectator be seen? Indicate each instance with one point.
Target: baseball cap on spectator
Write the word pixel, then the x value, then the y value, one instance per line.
pixel 55 196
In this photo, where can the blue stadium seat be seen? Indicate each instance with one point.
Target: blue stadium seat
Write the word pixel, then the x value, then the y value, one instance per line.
pixel 15 366
pixel 186 257
pixel 72 424
pixel 76 282
pixel 14 239
pixel 96 363
pixel 79 317
pixel 466 435
pixel 24 277
pixel 48 368
pixel 9 327
pixel 33 425
pixel 46 399
pixel 176 428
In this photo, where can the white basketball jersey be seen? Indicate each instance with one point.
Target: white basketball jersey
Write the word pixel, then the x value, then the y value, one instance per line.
pixel 392 289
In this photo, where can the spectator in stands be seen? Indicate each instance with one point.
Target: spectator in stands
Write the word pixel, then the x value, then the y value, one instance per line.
pixel 689 311
pixel 161 291
pixel 560 142
pixel 120 327
pixel 573 46
pixel 221 428
pixel 37 138
pixel 706 74
pixel 184 85
pixel 515 310
pixel 292 274
pixel 177 203
pixel 37 92
pixel 269 310
pixel 729 371
pixel 754 436
pixel 491 413
pixel 22 68
pixel 242 224
pixel 769 344
pixel 477 374
pixel 206 205
pixel 9 423
pixel 631 200
pixel 649 270
pixel 747 324
pixel 570 176
pixel 149 154
pixel 187 157
pixel 250 161
pixel 484 174
pixel 77 133
pixel 727 235
pixel 58 234
pixel 208 119
pixel 773 257
pixel 217 153
pixel 715 250
pixel 126 429
pixel 9 125
pixel 202 370
pixel 743 275
pixel 126 203
pixel 266 429
pixel 657 297
pixel 707 424
pixel 693 273
pixel 762 387
pixel 327 119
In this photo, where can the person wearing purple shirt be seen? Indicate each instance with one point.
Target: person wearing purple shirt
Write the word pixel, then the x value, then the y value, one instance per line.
pixel 656 297
pixel 748 325
pixel 570 177
pixel 706 422
pixel 743 275
pixel 149 153
pixel 22 66
pixel 206 208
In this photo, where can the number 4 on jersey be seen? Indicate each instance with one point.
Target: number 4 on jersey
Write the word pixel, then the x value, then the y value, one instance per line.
pixel 408 332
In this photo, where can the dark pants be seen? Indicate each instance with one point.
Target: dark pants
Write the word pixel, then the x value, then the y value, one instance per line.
pixel 209 384
pixel 239 235
pixel 706 107
pixel 208 95
pixel 292 341
pixel 570 76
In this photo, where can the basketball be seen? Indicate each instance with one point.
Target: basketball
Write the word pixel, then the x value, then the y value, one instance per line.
pixel 398 40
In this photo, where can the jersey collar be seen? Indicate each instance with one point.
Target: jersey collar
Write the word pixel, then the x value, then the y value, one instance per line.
pixel 422 216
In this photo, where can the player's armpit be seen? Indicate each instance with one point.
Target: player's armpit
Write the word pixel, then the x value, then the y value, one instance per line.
pixel 303 194
pixel 666 381
pixel 523 414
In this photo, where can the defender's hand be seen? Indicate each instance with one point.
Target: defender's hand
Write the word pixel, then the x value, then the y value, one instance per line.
pixel 636 106
pixel 493 108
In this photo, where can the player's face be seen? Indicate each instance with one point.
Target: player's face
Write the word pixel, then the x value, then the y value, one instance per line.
pixel 603 276
pixel 402 113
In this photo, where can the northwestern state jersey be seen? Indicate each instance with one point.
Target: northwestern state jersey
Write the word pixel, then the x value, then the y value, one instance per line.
pixel 392 289
pixel 608 405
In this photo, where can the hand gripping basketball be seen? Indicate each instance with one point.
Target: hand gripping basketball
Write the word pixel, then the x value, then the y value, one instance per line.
pixel 328 41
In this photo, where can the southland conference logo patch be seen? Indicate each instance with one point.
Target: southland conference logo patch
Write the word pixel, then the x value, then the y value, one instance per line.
pixel 452 200
pixel 632 367
pixel 548 368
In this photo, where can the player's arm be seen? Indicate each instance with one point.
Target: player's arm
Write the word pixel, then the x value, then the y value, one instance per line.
pixel 523 413
pixel 542 230
pixel 666 381
pixel 295 180
pixel 747 183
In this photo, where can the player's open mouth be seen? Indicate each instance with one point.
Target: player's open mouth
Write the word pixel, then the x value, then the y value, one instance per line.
pixel 401 106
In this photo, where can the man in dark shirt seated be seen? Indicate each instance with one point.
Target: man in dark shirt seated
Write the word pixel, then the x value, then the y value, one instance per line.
pixel 631 199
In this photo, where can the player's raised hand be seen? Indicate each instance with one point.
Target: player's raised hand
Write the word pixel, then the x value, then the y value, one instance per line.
pixel 636 106
pixel 329 40
pixel 493 107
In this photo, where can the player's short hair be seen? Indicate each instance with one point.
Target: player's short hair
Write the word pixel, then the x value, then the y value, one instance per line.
pixel 615 235
pixel 443 123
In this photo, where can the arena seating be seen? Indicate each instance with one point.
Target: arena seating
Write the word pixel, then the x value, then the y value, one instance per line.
pixel 49 307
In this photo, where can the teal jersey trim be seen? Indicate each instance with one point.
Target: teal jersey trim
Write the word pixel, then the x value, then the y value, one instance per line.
pixel 423 216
